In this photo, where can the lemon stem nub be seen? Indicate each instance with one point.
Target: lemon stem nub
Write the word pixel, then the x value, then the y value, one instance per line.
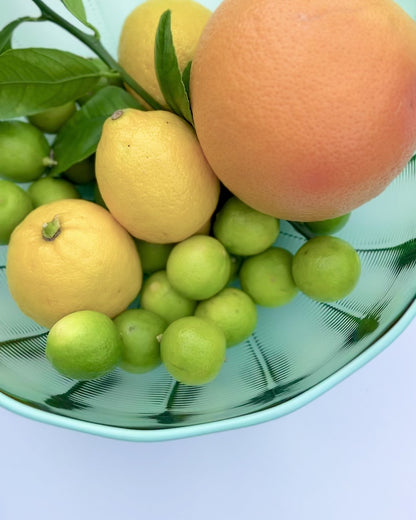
pixel 50 230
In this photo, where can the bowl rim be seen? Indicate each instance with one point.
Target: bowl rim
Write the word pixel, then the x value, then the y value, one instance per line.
pixel 251 419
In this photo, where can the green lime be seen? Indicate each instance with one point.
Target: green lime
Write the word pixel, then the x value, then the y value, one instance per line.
pixel 267 277
pixel 158 295
pixel 193 350
pixel 326 268
pixel 153 256
pixel 24 151
pixel 243 230
pixel 84 345
pixel 329 226
pixel 139 330
pixel 15 204
pixel 198 267
pixel 233 311
pixel 82 172
pixel 48 189
pixel 51 120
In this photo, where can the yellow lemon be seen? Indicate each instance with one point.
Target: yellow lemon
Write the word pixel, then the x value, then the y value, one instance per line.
pixel 72 255
pixel 153 176
pixel 137 39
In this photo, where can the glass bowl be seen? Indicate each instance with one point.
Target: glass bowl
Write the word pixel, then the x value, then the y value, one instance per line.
pixel 296 353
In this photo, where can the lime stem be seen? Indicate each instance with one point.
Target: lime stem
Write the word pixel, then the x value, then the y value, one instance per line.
pixel 95 45
pixel 50 230
pixel 49 162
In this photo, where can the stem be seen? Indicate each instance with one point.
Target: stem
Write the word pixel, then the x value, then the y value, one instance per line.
pixel 50 230
pixel 95 45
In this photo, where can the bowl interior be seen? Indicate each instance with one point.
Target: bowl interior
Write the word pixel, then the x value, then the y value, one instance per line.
pixel 294 347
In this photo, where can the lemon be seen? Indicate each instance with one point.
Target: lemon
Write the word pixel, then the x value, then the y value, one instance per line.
pixel 84 345
pixel 71 255
pixel 24 151
pixel 51 120
pixel 137 39
pixel 139 330
pixel 198 267
pixel 193 350
pixel 233 311
pixel 160 297
pixel 153 176
pixel 326 268
pixel 48 189
pixel 15 204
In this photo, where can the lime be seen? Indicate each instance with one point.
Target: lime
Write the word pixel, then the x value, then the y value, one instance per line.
pixel 267 277
pixel 15 204
pixel 82 172
pixel 51 120
pixel 233 311
pixel 84 345
pixel 243 230
pixel 153 256
pixel 326 268
pixel 329 226
pixel 48 189
pixel 198 267
pixel 160 297
pixel 193 350
pixel 139 330
pixel 24 151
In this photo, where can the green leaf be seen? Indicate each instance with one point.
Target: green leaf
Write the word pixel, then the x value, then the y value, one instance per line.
pixel 186 77
pixel 167 70
pixel 32 80
pixel 76 7
pixel 7 32
pixel 79 137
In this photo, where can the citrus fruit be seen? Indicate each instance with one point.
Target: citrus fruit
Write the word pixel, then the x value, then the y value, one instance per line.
pixel 193 350
pixel 267 277
pixel 137 39
pixel 160 297
pixel 233 311
pixel 198 267
pixel 82 172
pixel 305 110
pixel 24 151
pixel 328 226
pixel 15 204
pixel 243 230
pixel 84 345
pixel 153 176
pixel 326 268
pixel 153 256
pixel 51 120
pixel 139 330
pixel 48 189
pixel 71 255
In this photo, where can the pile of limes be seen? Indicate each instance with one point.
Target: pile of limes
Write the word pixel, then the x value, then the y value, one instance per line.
pixel 75 267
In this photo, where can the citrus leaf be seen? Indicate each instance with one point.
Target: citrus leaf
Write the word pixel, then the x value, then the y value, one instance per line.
pixel 32 80
pixel 167 70
pixel 79 137
pixel 186 76
pixel 7 32
pixel 76 7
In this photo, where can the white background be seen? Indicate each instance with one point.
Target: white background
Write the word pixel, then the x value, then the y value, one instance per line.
pixel 348 455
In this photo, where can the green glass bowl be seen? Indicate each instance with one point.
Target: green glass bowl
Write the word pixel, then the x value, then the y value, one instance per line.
pixel 296 353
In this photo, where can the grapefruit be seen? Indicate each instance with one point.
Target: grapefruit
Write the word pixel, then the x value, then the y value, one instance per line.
pixel 306 110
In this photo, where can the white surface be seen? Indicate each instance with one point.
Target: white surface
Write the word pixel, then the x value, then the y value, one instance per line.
pixel 348 455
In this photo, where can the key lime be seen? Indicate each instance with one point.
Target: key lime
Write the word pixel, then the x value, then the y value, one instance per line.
pixel 15 204
pixel 193 350
pixel 48 189
pixel 267 277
